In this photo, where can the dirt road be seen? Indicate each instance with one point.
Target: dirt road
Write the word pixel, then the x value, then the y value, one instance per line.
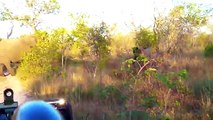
pixel 12 82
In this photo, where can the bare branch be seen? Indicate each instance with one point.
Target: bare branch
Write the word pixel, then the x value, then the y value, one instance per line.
pixel 11 31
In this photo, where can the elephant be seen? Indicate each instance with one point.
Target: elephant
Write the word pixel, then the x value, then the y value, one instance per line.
pixel 11 51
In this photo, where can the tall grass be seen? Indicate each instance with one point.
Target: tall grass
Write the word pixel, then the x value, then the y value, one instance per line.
pixel 116 93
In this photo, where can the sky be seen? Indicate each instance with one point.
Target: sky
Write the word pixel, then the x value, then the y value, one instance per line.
pixel 119 12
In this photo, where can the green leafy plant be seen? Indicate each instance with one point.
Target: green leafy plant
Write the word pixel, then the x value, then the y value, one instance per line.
pixel 136 51
pixel 145 37
pixel 142 58
pixel 183 74
pixel 180 82
pixel 208 51
pixel 149 102
pixel 99 38
pixel 203 87
pixel 165 80
pixel 35 8
pixel 113 94
pixel 39 60
pixel 165 117
pixel 134 115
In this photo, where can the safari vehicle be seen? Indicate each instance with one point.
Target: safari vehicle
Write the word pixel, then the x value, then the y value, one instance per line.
pixel 63 106
pixel 8 107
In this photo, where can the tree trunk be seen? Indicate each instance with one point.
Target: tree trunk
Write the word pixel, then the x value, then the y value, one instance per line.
pixel 62 62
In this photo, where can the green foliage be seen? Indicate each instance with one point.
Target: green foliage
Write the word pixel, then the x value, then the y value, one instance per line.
pixel 142 58
pixel 63 42
pixel 81 28
pixel 208 51
pixel 165 117
pixel 203 88
pixel 36 9
pixel 195 15
pixel 79 34
pixel 41 35
pixel 6 14
pixel 128 62
pixel 136 51
pixel 175 30
pixel 174 80
pixel 134 115
pixel 131 61
pixel 165 80
pixel 38 61
pixel 126 67
pixel 108 94
pixel 99 39
pixel 149 102
pixel 145 38
pixel 191 14
pixel 121 44
pixel 62 39
pixel 177 104
pixel 78 49
pixel 77 94
pixel 111 93
pixel 183 74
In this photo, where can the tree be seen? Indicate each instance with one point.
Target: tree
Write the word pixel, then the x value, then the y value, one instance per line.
pixel 64 41
pixel 99 39
pixel 79 34
pixel 145 37
pixel 36 8
pixel 38 62
pixel 174 30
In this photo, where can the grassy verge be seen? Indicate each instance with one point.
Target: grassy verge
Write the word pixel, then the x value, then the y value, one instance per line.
pixel 167 89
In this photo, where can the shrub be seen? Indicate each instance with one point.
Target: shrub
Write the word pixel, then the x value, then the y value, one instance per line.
pixel 105 94
pixel 149 102
pixel 134 115
pixel 208 51
pixel 112 94
pixel 203 87
pixel 145 37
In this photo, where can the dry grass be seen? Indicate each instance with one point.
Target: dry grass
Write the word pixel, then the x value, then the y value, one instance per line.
pixel 94 92
pixel 80 80
pixel 193 61
pixel 122 44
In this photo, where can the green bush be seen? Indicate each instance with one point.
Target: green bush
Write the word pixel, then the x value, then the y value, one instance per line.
pixel 134 115
pixel 149 102
pixel 203 87
pixel 112 94
pixel 166 80
pixel 145 37
pixel 105 94
pixel 208 51
pixel 174 80
pixel 183 74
